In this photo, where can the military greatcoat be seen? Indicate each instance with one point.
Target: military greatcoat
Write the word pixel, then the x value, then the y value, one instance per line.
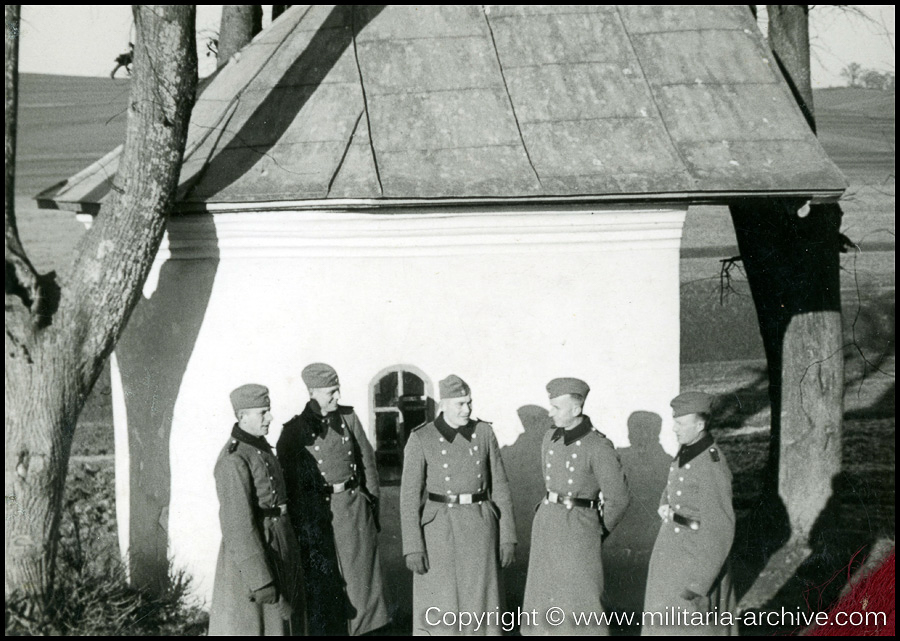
pixel 259 546
pixel 691 550
pixel 461 540
pixel 338 531
pixel 565 568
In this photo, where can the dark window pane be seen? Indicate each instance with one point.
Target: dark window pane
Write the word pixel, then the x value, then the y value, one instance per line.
pixel 413 385
pixel 386 391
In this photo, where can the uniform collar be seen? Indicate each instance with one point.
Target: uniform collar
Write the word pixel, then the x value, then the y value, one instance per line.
pixel 259 442
pixel 570 436
pixel 687 453
pixel 318 423
pixel 449 433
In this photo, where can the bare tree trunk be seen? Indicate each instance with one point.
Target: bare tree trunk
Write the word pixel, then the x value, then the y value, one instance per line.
pixel 791 254
pixel 240 22
pixel 812 370
pixel 789 41
pixel 278 9
pixel 58 339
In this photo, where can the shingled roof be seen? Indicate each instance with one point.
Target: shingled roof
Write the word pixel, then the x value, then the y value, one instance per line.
pixel 367 104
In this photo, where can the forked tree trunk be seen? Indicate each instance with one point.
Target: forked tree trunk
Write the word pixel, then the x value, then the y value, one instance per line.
pixel 240 22
pixel 57 339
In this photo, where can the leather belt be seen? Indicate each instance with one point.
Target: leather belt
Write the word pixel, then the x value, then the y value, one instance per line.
pixel 274 512
pixel 694 524
pixel 461 499
pixel 568 501
pixel 337 488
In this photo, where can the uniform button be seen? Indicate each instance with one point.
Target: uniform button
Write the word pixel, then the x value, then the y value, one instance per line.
pixel 475 448
pixel 443 451
pixel 349 453
pixel 571 469
pixel 677 530
pixel 568 494
pixel 574 455
pixel 478 476
pixel 550 452
pixel 570 481
pixel 320 461
pixel 677 507
pixel 446 465
pixel 688 466
pixel 546 502
pixel 478 462
pixel 680 478
pixel 316 448
pixel 441 439
pixel 352 492
pixel 548 465
pixel 548 478
pixel 446 478
pixel 569 506
pixel 578 443
pixel 678 493
pixel 449 492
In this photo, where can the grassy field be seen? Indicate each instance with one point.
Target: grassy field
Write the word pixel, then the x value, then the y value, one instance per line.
pixel 66 123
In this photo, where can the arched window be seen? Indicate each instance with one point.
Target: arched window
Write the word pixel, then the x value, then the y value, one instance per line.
pixel 401 399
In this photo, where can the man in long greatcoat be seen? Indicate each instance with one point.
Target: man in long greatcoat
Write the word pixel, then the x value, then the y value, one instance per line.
pixel 258 588
pixel 456 516
pixel 689 577
pixel 585 499
pixel 333 492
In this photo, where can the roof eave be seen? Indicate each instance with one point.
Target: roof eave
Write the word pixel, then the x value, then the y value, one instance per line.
pixel 45 200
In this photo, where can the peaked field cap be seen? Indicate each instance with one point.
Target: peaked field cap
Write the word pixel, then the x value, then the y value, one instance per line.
pixel 250 396
pixel 317 375
pixel 560 386
pixel 453 387
pixel 691 403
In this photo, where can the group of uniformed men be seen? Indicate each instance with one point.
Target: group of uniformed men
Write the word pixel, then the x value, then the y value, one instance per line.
pixel 299 551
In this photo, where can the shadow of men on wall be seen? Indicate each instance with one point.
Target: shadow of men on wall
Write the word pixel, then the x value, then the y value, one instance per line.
pixel 626 553
pixel 522 461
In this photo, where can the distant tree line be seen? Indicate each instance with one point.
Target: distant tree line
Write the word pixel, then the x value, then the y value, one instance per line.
pixel 858 76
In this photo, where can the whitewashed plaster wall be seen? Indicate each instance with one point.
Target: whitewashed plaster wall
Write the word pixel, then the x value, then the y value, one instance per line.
pixel 505 298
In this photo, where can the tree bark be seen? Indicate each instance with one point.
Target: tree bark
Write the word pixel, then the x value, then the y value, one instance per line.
pixel 789 41
pixel 791 255
pixel 240 22
pixel 55 350
pixel 278 9
pixel 812 368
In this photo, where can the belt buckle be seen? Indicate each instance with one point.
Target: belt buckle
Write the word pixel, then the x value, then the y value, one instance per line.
pixel 283 509
pixel 339 487
pixel 553 496
pixel 465 499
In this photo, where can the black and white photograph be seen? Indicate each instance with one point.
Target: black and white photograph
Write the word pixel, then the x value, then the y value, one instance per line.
pixel 392 320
